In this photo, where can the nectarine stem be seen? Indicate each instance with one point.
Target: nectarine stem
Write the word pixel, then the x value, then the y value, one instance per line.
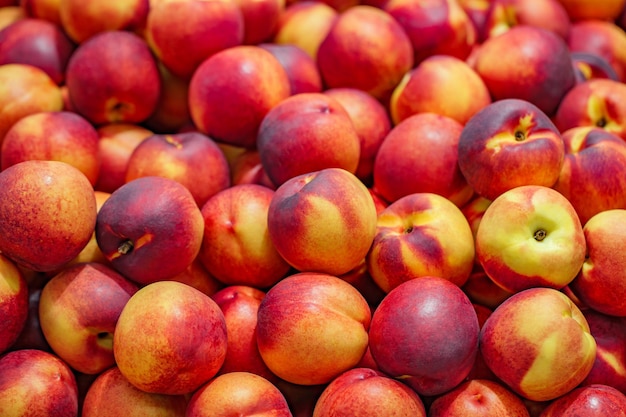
pixel 125 247
pixel 540 235
pixel 520 136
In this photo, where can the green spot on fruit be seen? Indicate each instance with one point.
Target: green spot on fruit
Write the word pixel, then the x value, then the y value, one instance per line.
pixel 540 235
pixel 125 247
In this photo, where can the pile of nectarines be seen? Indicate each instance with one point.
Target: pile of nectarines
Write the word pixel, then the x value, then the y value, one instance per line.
pixel 312 208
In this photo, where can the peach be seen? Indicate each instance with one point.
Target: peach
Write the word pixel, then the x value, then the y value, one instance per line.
pixel 172 110
pixel 546 14
pixel 31 336
pixel 42 9
pixel 371 121
pixel 182 34
pixel 39 43
pixel 538 343
pixel 305 24
pixel 597 103
pixel 608 368
pixel 150 229
pixel 593 400
pixel 113 77
pixel 260 19
pixel 602 38
pixel 530 236
pixel 238 393
pixel 247 78
pixel 439 27
pixel 246 168
pixel 78 311
pixel 170 339
pixel 190 158
pixel 425 334
pixel 307 132
pixel 34 233
pixel 590 9
pixel 112 395
pixel 196 276
pixel 312 327
pixel 29 90
pixel 117 142
pixel 11 14
pixel 419 235
pixel 429 86
pixel 600 284
pixel 401 166
pixel 304 75
pixel 507 144
pixel 36 383
pixel 478 397
pixel 483 290
pixel 367 391
pixel 82 23
pixel 593 174
pixel 324 221
pixel 590 65
pixel 55 136
pixel 240 305
pixel 236 245
pixel 14 303
pixel 538 70
pixel 365 48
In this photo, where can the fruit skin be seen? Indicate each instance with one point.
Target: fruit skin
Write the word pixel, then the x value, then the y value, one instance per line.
pixel 305 24
pixel 401 166
pixel 530 236
pixel 478 397
pixel 418 235
pixel 539 71
pixel 593 400
pixel 183 348
pixel 82 23
pixel 367 391
pixel 33 232
pixel 304 75
pixel 36 383
pixel 601 283
pixel 371 122
pixel 365 48
pixel 430 85
pixel 116 144
pixel 589 9
pixel 14 303
pixel 240 305
pixel 113 77
pixel 593 175
pixel 507 144
pixel 323 221
pixel 602 38
pixel 135 237
pixel 310 303
pixel 112 395
pixel 238 393
pixel 236 245
pixel 535 338
pixel 439 27
pixel 184 34
pixel 190 158
pixel 28 90
pixel 597 103
pixel 39 43
pixel 245 77
pixel 78 310
pixel 307 132
pixel 60 136
pixel 425 333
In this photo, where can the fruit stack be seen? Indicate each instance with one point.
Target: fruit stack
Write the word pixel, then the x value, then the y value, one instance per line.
pixel 312 208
